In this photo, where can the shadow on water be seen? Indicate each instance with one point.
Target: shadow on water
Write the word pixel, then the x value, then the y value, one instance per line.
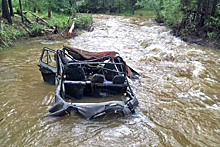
pixel 178 93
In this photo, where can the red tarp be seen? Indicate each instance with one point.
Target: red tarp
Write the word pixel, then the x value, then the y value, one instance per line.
pixel 92 55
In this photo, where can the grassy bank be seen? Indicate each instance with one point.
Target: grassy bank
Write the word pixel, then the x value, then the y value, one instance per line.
pixel 18 30
pixel 9 33
pixel 181 27
pixel 194 21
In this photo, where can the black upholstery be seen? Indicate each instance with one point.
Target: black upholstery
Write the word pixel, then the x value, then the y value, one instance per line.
pixel 118 79
pixel 74 91
pixel 75 74
pixel 97 78
pixel 109 75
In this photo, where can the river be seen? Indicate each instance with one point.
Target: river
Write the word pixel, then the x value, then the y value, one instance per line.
pixel 178 93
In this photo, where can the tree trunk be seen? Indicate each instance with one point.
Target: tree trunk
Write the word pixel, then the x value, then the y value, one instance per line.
pixel 206 10
pixel 185 6
pixel 103 3
pixel 49 13
pixel 199 14
pixel 214 6
pixel 44 21
pixel 5 12
pixel 198 5
pixel 11 7
pixel 132 10
pixel 3 42
pixel 22 17
pixel 133 2
pixel 26 18
pixel 119 7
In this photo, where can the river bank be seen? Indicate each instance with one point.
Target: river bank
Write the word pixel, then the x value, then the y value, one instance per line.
pixel 199 37
pixel 10 34
pixel 57 26
pixel 193 36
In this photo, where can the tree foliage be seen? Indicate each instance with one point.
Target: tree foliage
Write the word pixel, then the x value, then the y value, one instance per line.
pixel 82 6
pixel 189 15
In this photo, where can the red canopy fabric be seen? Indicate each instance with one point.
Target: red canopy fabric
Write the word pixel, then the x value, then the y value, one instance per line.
pixel 92 55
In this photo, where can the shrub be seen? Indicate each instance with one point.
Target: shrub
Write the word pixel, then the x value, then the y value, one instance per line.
pixel 83 21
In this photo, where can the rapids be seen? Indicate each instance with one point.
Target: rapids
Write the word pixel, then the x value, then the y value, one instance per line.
pixel 178 93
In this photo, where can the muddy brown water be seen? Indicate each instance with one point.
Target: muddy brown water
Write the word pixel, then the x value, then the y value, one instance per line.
pixel 179 92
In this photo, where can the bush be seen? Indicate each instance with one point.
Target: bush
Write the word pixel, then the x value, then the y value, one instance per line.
pixel 166 10
pixel 59 20
pixel 83 21
pixel 36 29
pixel 171 13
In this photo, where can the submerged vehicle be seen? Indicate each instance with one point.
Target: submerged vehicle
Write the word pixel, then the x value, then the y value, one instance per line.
pixel 80 74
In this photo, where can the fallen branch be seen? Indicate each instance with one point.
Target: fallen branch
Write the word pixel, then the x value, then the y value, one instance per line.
pixel 71 29
pixel 2 41
pixel 26 29
pixel 44 21
pixel 26 18
pixel 51 31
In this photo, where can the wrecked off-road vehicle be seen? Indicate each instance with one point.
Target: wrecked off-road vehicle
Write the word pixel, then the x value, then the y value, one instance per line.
pixel 81 75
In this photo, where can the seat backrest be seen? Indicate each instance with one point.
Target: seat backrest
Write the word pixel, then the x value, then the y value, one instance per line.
pixel 74 91
pixel 75 74
pixel 109 75
pixel 97 78
pixel 118 79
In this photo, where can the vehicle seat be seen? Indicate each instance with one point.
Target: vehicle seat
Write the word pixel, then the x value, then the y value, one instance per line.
pixel 75 74
pixel 97 78
pixel 118 79
pixel 109 75
pixel 74 91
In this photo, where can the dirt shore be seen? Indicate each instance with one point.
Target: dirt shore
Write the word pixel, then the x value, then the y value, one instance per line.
pixel 198 37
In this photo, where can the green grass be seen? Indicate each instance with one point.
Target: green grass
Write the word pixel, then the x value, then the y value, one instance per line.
pixel 9 33
pixel 83 21
pixel 59 20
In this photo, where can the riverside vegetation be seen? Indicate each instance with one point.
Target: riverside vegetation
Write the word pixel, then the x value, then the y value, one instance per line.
pixel 195 21
pixel 37 22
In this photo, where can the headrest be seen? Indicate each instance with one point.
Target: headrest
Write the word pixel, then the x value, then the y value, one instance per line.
pixel 118 79
pixel 97 78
